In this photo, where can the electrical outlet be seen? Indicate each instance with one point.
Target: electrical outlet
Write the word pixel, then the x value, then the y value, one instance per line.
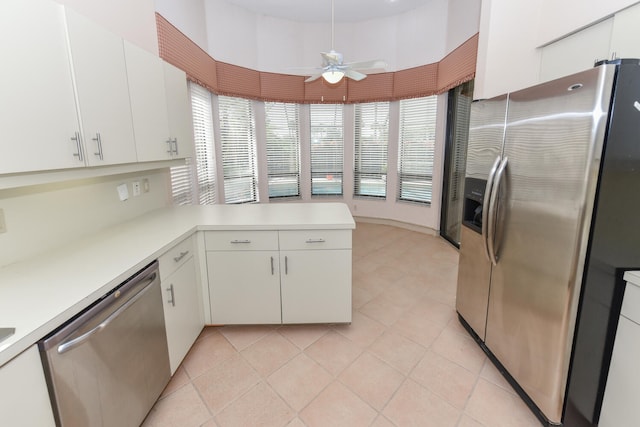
pixel 3 225
pixel 135 186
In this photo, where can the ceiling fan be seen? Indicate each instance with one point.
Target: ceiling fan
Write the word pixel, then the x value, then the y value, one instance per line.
pixel 334 68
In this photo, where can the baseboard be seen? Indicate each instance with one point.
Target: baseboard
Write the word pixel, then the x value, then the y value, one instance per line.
pixel 399 224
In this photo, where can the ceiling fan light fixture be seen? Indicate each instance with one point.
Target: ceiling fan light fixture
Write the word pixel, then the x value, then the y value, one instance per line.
pixel 333 76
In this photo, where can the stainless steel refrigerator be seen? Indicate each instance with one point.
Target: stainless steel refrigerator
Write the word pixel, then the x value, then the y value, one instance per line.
pixel 551 221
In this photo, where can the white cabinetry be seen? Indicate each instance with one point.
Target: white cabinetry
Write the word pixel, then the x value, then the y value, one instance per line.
pixel 102 91
pixel 179 110
pixel 159 105
pixel 148 104
pixel 244 279
pixel 626 33
pixel 619 406
pixel 182 302
pixel 24 399
pixel 266 277
pixel 316 276
pixel 37 102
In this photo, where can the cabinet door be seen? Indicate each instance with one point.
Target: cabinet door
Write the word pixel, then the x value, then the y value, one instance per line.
pixel 145 74
pixel 316 286
pixel 102 91
pixel 37 102
pixel 24 399
pixel 179 111
pixel 182 312
pixel 244 287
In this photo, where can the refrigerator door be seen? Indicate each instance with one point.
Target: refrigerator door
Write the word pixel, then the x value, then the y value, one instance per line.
pixel 553 141
pixel 486 137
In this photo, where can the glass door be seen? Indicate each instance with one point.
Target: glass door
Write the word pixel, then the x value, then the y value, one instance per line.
pixel 455 156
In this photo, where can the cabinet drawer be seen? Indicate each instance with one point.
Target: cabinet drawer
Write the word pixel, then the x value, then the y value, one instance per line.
pixel 315 239
pixel 631 303
pixel 175 257
pixel 241 240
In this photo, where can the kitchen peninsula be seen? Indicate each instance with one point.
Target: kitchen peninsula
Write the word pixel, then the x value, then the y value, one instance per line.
pixel 39 294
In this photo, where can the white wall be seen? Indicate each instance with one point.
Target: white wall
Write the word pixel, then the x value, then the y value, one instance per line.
pixel 463 21
pixel 241 37
pixel 41 217
pixel 513 32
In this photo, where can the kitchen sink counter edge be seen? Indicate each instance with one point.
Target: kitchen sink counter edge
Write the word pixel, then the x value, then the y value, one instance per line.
pixel 41 293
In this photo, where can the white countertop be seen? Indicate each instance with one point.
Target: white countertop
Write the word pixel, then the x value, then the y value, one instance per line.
pixel 632 277
pixel 39 294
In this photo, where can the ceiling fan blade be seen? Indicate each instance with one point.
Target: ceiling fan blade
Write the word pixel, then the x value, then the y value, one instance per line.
pixel 354 75
pixel 312 78
pixel 368 65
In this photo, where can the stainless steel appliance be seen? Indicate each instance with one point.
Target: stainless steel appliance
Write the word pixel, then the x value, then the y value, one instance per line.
pixel 551 221
pixel 108 365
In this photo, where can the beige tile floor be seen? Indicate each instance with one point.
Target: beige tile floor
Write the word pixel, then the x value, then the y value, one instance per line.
pixel 404 361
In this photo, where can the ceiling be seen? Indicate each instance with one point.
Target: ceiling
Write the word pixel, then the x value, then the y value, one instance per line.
pixel 320 10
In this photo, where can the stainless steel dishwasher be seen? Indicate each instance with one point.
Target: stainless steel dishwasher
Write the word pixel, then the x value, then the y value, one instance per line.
pixel 108 365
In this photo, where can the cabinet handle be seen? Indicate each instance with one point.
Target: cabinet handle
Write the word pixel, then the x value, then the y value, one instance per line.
pixel 179 257
pixel 272 270
pixel 170 150
pixel 175 144
pixel 286 265
pixel 240 241
pixel 172 300
pixel 98 140
pixel 315 241
pixel 78 141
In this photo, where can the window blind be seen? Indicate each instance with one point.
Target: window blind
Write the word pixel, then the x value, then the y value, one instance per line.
pixel 238 143
pixel 370 150
pixel 181 188
pixel 283 149
pixel 327 149
pixel 204 148
pixel 416 148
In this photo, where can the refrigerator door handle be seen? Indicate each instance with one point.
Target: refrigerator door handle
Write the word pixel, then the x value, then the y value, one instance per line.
pixel 485 207
pixel 491 226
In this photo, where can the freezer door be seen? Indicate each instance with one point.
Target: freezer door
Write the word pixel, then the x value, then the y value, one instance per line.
pixel 553 143
pixel 486 135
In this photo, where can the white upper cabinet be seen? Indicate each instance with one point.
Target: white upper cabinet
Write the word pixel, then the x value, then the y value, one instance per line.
pixel 179 110
pixel 102 91
pixel 38 111
pixel 148 104
pixel 626 33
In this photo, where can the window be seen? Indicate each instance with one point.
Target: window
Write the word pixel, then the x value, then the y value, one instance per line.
pixel 204 148
pixel 238 143
pixel 283 149
pixel 327 147
pixel 416 148
pixel 371 141
pixel 181 188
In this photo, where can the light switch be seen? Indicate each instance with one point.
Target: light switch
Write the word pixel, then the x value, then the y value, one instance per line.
pixel 123 192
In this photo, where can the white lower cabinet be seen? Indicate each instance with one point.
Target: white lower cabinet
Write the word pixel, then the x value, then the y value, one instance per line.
pixel 24 399
pixel 245 288
pixel 316 286
pixel 272 277
pixel 182 302
pixel 619 405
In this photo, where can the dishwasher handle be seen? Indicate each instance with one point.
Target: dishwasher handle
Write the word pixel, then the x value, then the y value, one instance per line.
pixel 66 346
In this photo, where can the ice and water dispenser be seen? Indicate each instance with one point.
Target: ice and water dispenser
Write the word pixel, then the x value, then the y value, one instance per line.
pixel 473 201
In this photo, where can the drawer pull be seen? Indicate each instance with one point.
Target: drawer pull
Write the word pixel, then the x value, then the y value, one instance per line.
pixel 315 241
pixel 272 270
pixel 179 257
pixel 241 241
